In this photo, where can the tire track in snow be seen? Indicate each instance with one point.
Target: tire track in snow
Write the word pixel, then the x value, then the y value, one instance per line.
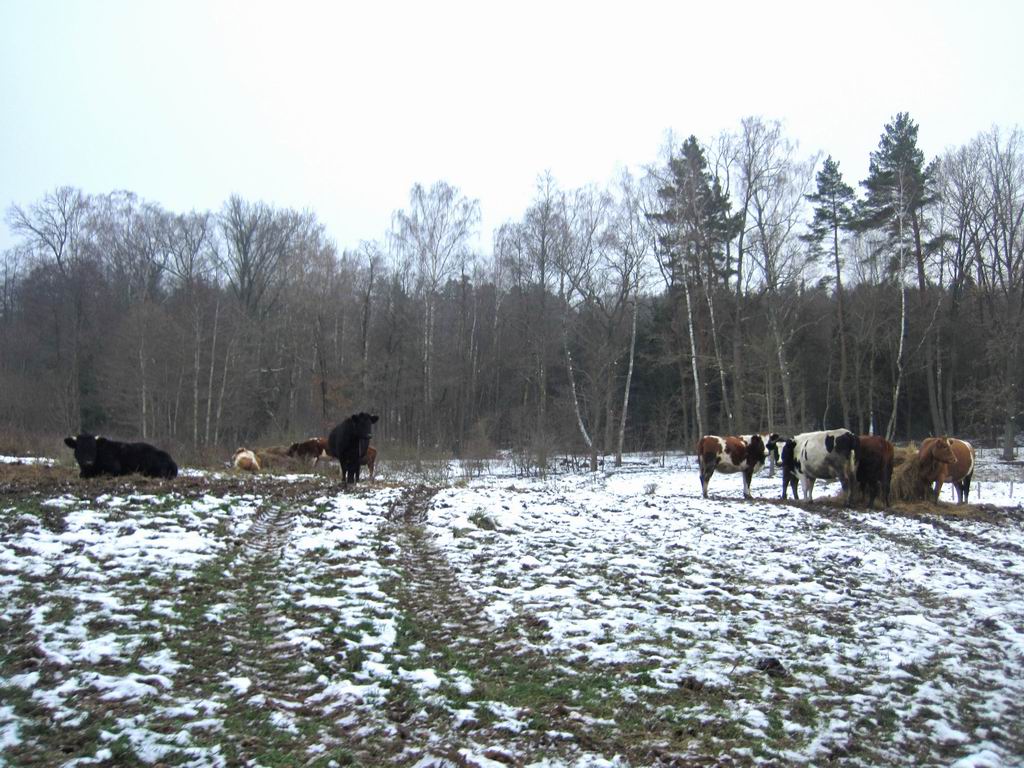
pixel 260 681
pixel 524 689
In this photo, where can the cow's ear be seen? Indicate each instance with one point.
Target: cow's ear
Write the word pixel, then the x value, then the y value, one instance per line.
pixel 354 417
pixel 373 419
pixel 70 442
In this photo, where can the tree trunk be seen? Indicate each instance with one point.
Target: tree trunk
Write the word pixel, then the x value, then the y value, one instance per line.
pixel 697 400
pixel 213 362
pixel 629 382
pixel 576 409
pixel 890 430
pixel 780 357
pixel 220 398
pixel 198 328
pixel 718 360
pixel 142 377
pixel 738 367
pixel 844 398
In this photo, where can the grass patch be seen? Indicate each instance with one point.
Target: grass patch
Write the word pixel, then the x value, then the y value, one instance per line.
pixel 483 521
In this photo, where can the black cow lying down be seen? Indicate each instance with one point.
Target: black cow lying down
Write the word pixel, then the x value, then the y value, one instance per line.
pixel 99 456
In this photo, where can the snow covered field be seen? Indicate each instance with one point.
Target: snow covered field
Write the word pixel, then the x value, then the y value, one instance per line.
pixel 578 620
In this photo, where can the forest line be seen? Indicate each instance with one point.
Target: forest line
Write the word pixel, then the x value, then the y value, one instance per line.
pixel 733 286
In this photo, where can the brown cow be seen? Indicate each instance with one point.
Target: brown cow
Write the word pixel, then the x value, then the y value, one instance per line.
pixel 370 459
pixel 315 448
pixel 935 456
pixel 874 468
pixel 959 472
pixel 736 453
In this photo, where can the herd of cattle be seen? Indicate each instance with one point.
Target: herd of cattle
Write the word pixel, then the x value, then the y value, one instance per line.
pixel 349 443
pixel 864 462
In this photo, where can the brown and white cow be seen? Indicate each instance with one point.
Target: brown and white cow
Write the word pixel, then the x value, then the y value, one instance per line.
pixel 315 448
pixel 735 453
pixel 954 466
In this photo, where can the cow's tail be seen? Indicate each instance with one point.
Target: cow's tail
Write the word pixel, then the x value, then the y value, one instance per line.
pixel 851 465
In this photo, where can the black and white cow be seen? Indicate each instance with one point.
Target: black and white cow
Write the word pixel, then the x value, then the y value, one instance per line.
pixel 100 456
pixel 827 455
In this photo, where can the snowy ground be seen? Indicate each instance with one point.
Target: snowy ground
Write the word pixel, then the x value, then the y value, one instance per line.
pixel 579 620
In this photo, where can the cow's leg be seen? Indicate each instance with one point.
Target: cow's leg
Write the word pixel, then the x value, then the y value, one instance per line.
pixel 870 491
pixel 707 469
pixel 937 490
pixel 747 474
pixel 847 487
pixel 966 483
pixel 958 489
pixel 807 486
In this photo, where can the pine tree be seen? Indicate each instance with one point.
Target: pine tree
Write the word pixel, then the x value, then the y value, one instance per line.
pixel 833 211
pixel 899 188
pixel 695 218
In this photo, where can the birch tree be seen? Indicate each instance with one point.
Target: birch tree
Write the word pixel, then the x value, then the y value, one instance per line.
pixel 434 232
pixel 779 180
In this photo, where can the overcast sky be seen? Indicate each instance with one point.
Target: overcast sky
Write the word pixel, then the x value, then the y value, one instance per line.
pixel 341 107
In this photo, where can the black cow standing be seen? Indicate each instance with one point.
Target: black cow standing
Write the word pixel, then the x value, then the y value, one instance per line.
pixel 348 443
pixel 99 456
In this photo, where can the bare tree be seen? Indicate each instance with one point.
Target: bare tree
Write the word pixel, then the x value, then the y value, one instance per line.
pixel 434 232
pixel 257 243
pixel 1000 271
pixel 779 182
pixel 52 230
pixel 636 242
pixel 188 239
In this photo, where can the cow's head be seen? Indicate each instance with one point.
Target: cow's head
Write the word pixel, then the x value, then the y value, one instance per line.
pixel 773 446
pixel 756 449
pixel 84 447
pixel 942 451
pixel 847 443
pixel 362 426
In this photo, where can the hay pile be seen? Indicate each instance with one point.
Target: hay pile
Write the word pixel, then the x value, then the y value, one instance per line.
pixel 276 457
pixel 906 476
